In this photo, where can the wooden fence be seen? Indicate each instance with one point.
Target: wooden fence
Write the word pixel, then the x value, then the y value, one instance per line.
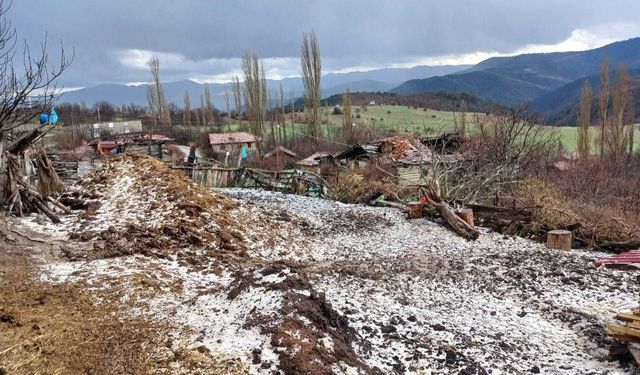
pixel 286 181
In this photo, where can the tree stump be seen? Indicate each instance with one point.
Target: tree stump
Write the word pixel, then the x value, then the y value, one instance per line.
pixel 466 214
pixel 414 210
pixel 559 239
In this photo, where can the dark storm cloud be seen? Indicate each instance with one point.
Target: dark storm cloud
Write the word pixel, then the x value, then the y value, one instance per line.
pixel 205 38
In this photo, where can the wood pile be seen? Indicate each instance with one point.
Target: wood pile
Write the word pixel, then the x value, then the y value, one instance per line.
pixel 28 180
pixel 628 330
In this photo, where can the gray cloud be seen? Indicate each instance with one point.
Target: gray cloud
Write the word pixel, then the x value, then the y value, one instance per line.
pixel 204 39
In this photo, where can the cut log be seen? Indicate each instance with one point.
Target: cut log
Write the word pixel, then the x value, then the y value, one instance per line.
pixel 61 206
pixel 432 196
pixel 457 224
pixel 466 214
pixel 623 333
pixel 383 203
pixel 559 239
pixel 628 317
pixel 414 210
pixel 500 213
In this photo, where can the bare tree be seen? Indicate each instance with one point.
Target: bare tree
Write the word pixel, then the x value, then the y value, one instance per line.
pixel 616 139
pixel 155 94
pixel 462 126
pixel 226 102
pixel 631 119
pixel 29 89
pixel 603 103
pixel 255 95
pixel 584 121
pixel 511 138
pixel 311 71
pixel 347 125
pixel 186 114
pixel 270 114
pixel 284 119
pixel 208 105
pixel 237 97
pixel 292 103
pixel 201 111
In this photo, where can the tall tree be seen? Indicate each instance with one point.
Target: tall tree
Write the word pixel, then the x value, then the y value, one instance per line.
pixel 603 103
pixel 617 141
pixel 201 110
pixel 284 119
pixel 255 95
pixel 226 102
pixel 347 125
pixel 155 94
pixel 462 127
pixel 208 105
pixel 311 71
pixel 186 114
pixel 631 119
pixel 292 103
pixel 584 121
pixel 237 98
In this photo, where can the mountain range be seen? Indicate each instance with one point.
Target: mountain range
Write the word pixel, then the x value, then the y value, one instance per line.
pixel 549 82
pixel 379 80
pixel 528 77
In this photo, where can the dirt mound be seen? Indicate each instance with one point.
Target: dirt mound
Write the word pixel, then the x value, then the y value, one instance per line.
pixel 136 204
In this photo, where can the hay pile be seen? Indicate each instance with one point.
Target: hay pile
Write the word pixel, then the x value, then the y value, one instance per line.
pixel 136 204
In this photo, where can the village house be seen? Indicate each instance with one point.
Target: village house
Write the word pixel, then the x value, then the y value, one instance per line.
pixel 279 158
pixel 233 142
pixel 314 163
pixel 114 128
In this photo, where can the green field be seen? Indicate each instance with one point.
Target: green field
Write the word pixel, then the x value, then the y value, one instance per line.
pixel 408 120
pixel 390 120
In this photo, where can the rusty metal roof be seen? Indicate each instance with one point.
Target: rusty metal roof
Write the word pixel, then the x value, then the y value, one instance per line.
pixel 629 259
pixel 227 138
pixel 314 159
pixel 280 149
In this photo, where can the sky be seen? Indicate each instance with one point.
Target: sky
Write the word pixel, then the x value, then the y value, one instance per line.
pixel 204 40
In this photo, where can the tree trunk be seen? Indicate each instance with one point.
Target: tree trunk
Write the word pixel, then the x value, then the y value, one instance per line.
pixel 559 239
pixel 414 210
pixel 466 214
pixel 457 224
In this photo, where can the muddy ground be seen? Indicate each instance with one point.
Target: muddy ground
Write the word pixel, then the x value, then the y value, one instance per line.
pixel 274 283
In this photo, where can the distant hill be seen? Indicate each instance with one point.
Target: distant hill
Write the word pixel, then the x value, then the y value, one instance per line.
pixel 441 101
pixel 375 80
pixel 560 106
pixel 517 79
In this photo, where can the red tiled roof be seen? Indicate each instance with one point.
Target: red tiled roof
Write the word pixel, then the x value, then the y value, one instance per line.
pixel 227 138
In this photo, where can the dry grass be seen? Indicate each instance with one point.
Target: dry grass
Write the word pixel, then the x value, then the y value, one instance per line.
pixel 599 220
pixel 57 329
pixel 60 329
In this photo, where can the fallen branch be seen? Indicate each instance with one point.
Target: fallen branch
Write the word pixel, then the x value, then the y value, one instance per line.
pixel 461 227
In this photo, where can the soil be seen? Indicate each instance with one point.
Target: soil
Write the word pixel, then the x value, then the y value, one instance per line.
pixel 259 282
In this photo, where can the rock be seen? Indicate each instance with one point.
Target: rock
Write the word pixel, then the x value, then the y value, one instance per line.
pixel 534 370
pixel 388 329
pixel 438 327
pixel 412 318
pixel 450 358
